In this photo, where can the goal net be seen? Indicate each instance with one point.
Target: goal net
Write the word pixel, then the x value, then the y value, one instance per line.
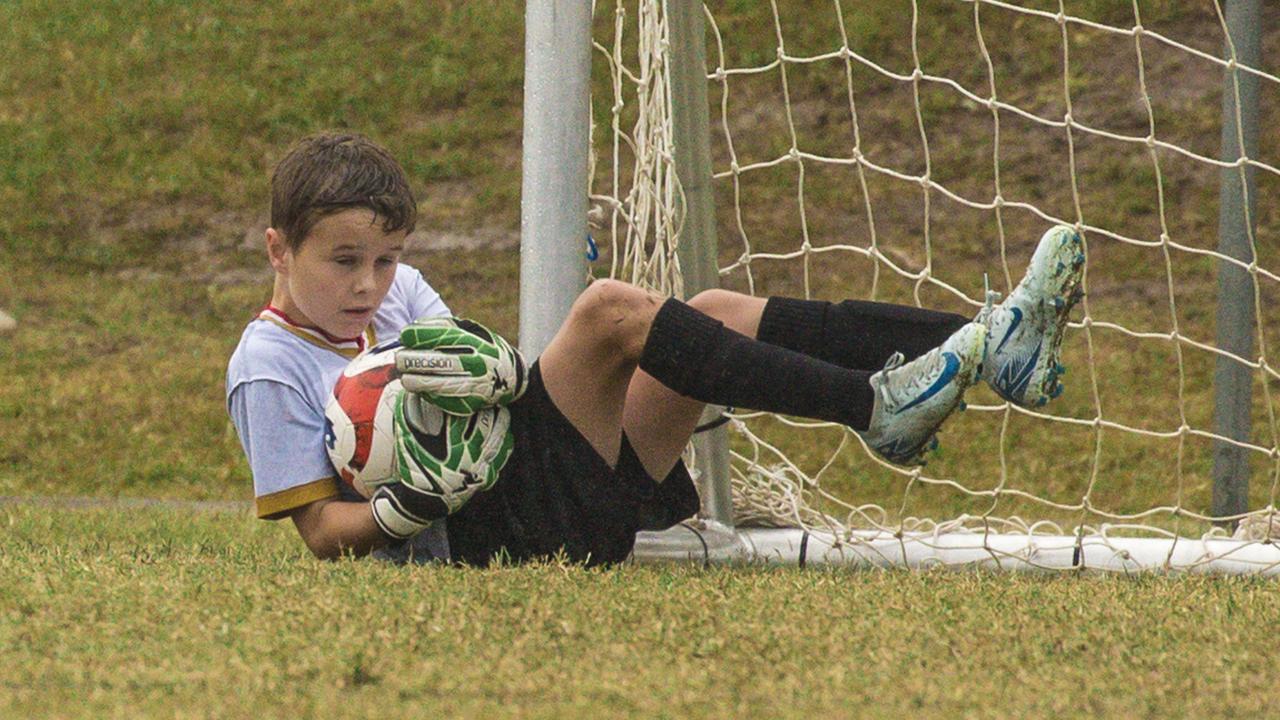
pixel 914 152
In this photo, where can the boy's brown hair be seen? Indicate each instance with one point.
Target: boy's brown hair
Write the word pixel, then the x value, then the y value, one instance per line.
pixel 327 173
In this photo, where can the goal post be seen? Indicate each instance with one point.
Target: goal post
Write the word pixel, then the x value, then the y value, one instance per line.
pixel 1237 212
pixel 555 151
pixel 871 165
pixel 697 246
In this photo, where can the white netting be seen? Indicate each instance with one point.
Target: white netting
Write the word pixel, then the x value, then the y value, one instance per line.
pixel 900 150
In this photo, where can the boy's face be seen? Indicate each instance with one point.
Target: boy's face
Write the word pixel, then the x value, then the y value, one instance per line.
pixel 339 276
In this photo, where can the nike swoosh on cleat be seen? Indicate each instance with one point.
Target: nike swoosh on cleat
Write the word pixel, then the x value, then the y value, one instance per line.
pixel 1017 320
pixel 948 372
pixel 1013 378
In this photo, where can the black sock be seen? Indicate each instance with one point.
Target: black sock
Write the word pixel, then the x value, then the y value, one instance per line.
pixel 698 357
pixel 855 333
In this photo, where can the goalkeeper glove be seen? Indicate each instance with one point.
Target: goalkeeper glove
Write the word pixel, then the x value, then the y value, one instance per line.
pixel 441 460
pixel 459 365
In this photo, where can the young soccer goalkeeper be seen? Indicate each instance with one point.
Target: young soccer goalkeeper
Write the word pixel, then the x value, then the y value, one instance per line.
pixel 611 403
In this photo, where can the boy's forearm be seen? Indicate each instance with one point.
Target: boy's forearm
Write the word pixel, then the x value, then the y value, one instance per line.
pixel 331 528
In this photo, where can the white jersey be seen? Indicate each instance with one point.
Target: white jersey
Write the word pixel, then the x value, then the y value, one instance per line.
pixel 279 380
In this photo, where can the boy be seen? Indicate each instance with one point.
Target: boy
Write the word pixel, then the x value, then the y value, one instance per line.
pixel 614 398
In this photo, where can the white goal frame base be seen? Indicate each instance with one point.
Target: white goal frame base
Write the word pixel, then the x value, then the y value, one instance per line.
pixel 708 542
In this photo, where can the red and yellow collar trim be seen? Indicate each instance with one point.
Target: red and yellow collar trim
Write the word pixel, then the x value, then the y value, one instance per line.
pixel 346 347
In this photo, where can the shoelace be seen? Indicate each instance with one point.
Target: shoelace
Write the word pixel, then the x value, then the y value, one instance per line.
pixel 899 387
pixel 988 306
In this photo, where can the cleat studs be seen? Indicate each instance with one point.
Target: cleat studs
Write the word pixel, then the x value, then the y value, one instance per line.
pixel 1059 303
pixel 963 406
pixel 1042 402
pixel 1057 390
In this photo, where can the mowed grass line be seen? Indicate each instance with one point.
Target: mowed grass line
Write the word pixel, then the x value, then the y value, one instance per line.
pixel 152 612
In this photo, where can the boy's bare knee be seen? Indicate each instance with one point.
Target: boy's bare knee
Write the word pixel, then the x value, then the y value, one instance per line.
pixel 740 313
pixel 605 303
pixel 617 314
pixel 714 302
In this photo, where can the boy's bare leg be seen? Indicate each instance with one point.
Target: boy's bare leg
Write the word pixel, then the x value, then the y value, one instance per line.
pixel 589 371
pixel 588 366
pixel 658 421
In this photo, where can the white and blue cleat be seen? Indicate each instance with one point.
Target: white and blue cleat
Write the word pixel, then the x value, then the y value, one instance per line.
pixel 1023 362
pixel 912 400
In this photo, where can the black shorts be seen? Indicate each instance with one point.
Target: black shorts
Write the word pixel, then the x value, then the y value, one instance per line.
pixel 556 494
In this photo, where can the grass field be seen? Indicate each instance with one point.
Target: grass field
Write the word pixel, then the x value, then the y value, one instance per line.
pixel 136 140
pixel 170 613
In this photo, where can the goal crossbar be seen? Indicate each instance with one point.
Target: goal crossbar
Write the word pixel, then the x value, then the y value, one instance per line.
pixel 706 542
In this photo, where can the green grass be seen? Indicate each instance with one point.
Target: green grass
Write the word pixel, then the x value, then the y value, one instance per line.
pixel 153 612
pixel 120 109
pixel 136 142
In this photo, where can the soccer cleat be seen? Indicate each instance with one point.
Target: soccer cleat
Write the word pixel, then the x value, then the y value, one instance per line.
pixel 912 400
pixel 1022 363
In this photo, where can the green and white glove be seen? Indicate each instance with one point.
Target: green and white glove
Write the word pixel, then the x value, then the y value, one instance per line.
pixel 459 365
pixel 441 461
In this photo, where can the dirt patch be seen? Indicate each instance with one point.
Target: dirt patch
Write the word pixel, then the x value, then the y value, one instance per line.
pixel 104 503
pixel 228 247
pixel 433 240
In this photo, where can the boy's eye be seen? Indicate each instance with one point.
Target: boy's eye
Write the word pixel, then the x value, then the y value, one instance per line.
pixel 384 261
pixel 346 259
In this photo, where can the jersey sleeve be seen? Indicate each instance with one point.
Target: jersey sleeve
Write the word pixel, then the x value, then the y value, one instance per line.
pixel 283 438
pixel 424 301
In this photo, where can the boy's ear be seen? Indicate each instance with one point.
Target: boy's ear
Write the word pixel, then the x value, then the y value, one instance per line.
pixel 277 250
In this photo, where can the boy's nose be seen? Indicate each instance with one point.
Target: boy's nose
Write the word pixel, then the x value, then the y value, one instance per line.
pixel 366 282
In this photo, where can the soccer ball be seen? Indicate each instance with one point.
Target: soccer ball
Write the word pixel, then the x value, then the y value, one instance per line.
pixel 360 419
